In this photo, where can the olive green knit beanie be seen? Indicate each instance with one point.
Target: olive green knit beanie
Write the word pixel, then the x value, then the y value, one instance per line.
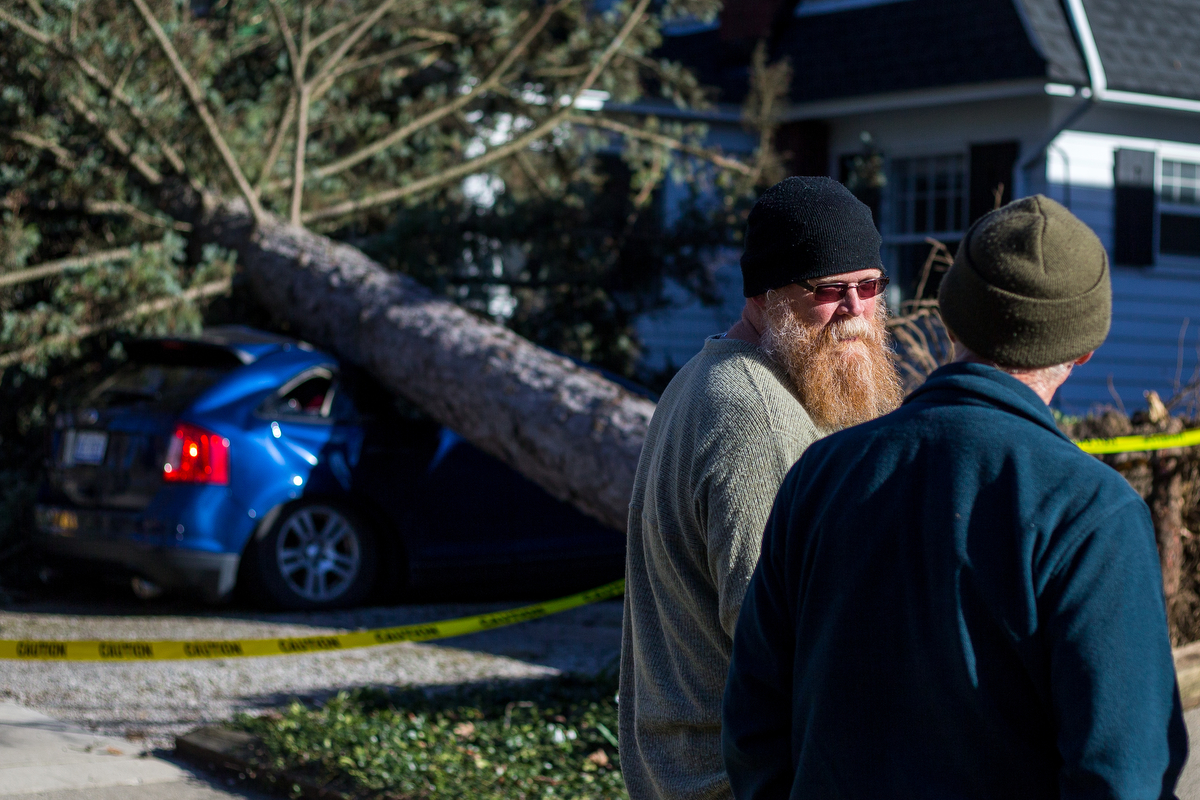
pixel 1029 287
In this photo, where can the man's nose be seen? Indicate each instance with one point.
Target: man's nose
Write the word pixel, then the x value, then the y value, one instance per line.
pixel 851 305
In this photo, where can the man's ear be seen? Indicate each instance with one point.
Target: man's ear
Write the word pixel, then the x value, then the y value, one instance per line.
pixel 1083 359
pixel 759 300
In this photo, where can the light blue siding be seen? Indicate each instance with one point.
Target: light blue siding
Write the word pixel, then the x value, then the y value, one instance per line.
pixel 1153 344
pixel 673 335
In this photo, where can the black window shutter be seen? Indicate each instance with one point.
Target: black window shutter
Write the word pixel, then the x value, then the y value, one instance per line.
pixel 1179 234
pixel 1133 208
pixel 991 165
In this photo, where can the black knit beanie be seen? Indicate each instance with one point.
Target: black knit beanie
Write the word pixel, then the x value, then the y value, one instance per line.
pixel 1029 287
pixel 805 228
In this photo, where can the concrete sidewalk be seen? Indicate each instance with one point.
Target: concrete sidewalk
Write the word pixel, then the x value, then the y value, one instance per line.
pixel 44 759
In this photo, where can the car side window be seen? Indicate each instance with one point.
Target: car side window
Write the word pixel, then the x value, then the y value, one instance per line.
pixel 342 409
pixel 308 396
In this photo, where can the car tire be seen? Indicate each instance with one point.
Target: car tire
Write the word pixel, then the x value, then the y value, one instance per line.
pixel 317 555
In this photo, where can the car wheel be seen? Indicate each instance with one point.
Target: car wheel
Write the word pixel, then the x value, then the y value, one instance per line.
pixel 316 556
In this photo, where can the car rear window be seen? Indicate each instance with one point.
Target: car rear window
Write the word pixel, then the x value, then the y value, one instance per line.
pixel 168 375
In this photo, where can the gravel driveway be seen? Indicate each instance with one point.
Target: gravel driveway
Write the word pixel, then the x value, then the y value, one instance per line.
pixel 151 701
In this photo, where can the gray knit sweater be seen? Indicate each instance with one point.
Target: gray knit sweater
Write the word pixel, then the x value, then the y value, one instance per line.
pixel 723 437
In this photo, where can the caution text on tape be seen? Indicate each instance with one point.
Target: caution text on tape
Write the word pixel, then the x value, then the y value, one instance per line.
pixel 38 650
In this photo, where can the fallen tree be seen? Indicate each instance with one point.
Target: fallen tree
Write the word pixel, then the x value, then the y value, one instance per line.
pixel 259 126
pixel 574 432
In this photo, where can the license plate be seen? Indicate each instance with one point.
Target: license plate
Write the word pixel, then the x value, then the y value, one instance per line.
pixel 90 447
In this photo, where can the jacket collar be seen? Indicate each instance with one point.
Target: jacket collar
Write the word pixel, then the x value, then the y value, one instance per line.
pixel 976 384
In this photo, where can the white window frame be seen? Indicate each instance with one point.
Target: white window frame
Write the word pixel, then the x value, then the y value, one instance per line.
pixel 892 230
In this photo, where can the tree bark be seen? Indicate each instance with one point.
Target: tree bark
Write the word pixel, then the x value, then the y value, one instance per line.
pixel 1166 510
pixel 565 427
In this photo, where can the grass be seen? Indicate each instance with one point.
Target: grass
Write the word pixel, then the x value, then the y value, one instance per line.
pixel 551 738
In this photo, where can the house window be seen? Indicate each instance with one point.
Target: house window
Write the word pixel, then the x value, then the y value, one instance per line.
pixel 928 197
pixel 925 197
pixel 1180 182
pixel 1179 209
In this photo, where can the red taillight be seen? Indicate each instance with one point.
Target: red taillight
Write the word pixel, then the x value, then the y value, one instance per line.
pixel 197 456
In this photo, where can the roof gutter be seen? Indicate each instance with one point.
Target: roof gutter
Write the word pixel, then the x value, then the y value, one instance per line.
pixel 1097 80
pixel 1099 91
pixel 1091 54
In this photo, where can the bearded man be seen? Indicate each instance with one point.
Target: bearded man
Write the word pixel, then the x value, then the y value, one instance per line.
pixel 808 357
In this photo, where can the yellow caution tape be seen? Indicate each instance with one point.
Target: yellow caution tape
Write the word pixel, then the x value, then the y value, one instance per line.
pixel 1138 444
pixel 40 650
pixel 44 650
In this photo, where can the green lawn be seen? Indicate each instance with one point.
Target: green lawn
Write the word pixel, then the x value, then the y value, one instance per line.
pixel 547 738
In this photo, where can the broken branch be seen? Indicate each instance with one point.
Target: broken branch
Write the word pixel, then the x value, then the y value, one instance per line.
pixel 197 98
pixel 441 178
pixel 661 139
pixel 75 263
pixel 429 118
pixel 152 307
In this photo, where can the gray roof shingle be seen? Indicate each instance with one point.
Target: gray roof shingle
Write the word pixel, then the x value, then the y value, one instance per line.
pixel 922 44
pixel 1150 46
pixel 1050 33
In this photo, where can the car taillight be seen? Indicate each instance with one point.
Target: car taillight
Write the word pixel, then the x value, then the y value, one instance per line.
pixel 197 456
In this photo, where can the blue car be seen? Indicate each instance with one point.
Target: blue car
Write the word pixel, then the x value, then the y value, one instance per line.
pixel 246 460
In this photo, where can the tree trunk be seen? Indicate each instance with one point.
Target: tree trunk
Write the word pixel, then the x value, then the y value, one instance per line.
pixel 1166 509
pixel 565 427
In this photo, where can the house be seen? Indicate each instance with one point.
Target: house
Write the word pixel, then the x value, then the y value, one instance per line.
pixel 961 103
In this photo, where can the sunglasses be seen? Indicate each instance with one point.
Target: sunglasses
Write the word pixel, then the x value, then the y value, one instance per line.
pixel 835 292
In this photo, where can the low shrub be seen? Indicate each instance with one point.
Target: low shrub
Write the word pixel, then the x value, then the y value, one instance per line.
pixel 546 738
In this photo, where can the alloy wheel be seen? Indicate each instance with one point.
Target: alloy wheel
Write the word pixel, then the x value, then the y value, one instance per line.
pixel 317 553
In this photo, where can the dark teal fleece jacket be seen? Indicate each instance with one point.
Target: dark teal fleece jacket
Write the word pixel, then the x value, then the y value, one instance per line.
pixel 954 601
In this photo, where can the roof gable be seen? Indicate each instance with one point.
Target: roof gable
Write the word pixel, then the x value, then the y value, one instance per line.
pixel 924 44
pixel 1152 47
pixel 1050 33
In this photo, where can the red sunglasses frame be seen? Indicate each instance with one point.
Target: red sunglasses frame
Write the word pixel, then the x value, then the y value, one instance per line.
pixel 841 288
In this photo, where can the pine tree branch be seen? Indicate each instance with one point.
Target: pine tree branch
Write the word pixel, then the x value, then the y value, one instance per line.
pixel 289 41
pixel 115 140
pixel 119 86
pixel 197 98
pixel 142 309
pixel 36 8
pixel 130 210
pixel 635 17
pixel 632 132
pixel 496 154
pixel 303 92
pixel 300 153
pixel 440 178
pixel 285 124
pixel 371 61
pixel 441 112
pixel 61 154
pixel 532 174
pixel 334 30
pixel 25 28
pixel 100 79
pixel 342 49
pixel 75 263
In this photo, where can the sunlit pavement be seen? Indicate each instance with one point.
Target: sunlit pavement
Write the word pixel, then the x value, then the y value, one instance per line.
pixel 44 759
